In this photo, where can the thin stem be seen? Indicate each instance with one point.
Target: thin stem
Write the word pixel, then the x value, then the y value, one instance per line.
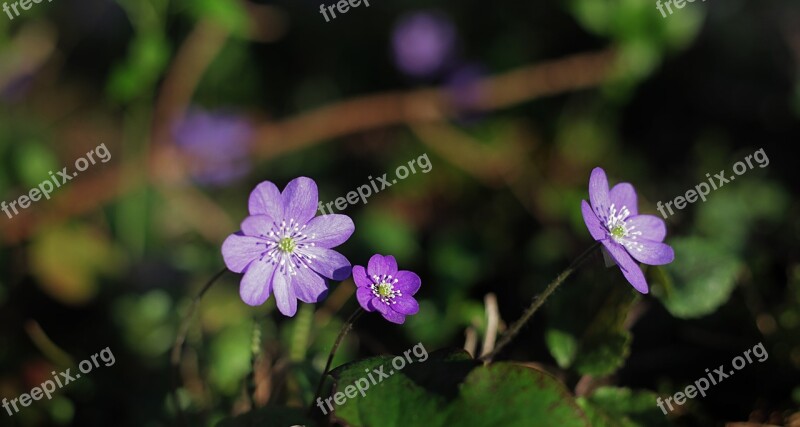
pixel 177 346
pixel 348 324
pixel 538 301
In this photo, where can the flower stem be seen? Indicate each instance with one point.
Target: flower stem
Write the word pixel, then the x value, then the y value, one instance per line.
pixel 177 346
pixel 348 324
pixel 538 301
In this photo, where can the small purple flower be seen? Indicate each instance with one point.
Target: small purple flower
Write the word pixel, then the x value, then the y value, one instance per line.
pixel 283 249
pixel 613 220
pixel 381 287
pixel 424 42
pixel 216 146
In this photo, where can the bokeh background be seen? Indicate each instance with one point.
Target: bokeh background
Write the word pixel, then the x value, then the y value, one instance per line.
pixel 513 103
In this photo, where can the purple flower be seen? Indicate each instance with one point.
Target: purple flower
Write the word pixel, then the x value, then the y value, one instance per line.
pixel 381 287
pixel 283 249
pixel 216 146
pixel 614 221
pixel 424 43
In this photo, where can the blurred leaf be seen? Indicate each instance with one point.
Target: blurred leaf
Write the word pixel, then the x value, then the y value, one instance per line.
pixel 147 322
pixel 270 416
pixel 730 213
pixel 563 347
pixel 69 261
pixel 34 161
pixel 231 15
pixel 703 276
pixel 621 407
pixel 586 327
pixel 386 234
pixel 147 58
pixel 451 389
pixel 231 357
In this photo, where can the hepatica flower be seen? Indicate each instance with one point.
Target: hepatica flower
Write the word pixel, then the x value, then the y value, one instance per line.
pixel 424 42
pixel 284 250
pixel 216 146
pixel 613 219
pixel 384 289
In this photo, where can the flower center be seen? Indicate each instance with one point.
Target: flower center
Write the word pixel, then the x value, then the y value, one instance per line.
pixel 615 223
pixel 383 288
pixel 287 245
pixel 618 231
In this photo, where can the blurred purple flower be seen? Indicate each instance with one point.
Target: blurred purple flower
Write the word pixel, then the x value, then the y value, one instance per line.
pixel 283 249
pixel 384 289
pixel 613 220
pixel 464 89
pixel 424 42
pixel 216 145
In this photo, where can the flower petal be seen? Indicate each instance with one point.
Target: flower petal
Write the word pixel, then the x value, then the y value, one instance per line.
pixel 328 263
pixel 593 223
pixel 380 265
pixel 405 305
pixel 364 296
pixel 257 283
pixel 300 199
pixel 285 298
pixel 407 282
pixel 360 277
pixel 598 192
pixel 266 200
pixel 624 195
pixel 239 250
pixel 257 225
pixel 328 231
pixel 387 311
pixel 651 227
pixel 650 252
pixel 309 286
pixel 629 268
pixel 394 317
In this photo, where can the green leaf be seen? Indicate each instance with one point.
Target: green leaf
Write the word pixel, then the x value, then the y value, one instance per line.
pixel 72 276
pixel 563 346
pixel 270 416
pixel 586 323
pixel 622 407
pixel 450 388
pixel 702 277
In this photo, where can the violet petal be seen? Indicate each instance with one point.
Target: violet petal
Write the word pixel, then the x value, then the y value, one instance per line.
pixel 300 199
pixel 266 200
pixel 407 282
pixel 624 195
pixel 309 286
pixel 652 227
pixel 629 268
pixel 257 283
pixel 593 223
pixel 239 250
pixel 328 231
pixel 328 263
pixel 650 252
